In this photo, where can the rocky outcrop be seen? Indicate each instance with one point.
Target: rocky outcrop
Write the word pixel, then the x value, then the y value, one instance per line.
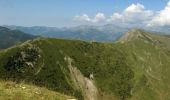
pixel 84 84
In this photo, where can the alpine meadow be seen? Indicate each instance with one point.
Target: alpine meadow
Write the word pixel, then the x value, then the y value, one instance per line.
pixel 60 50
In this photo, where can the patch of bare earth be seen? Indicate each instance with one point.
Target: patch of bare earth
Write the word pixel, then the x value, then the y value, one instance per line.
pixel 84 84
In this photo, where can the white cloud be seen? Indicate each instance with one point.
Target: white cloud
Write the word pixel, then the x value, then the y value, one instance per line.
pixel 98 18
pixel 162 18
pixel 133 15
pixel 134 8
pixel 84 17
pixel 115 17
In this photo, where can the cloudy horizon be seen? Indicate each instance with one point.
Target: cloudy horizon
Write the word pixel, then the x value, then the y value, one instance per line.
pixel 133 13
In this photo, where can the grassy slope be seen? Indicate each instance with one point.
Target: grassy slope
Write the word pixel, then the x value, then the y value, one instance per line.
pixel 150 61
pixel 136 70
pixel 13 91
pixel 103 60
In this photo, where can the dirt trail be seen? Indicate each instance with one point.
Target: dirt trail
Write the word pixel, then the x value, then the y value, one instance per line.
pixel 82 83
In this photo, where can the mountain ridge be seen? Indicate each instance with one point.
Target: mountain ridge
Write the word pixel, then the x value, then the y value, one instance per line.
pixel 83 32
pixel 12 37
pixel 134 34
pixel 136 68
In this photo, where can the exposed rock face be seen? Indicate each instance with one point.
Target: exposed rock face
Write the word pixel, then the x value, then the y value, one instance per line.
pixel 138 34
pixel 85 85
pixel 134 34
pixel 130 35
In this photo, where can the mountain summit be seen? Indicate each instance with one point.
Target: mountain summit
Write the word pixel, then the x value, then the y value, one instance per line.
pixel 135 34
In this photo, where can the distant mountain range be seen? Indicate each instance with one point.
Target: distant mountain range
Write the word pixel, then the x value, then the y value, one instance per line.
pixel 102 33
pixel 88 33
pixel 105 33
pixel 11 37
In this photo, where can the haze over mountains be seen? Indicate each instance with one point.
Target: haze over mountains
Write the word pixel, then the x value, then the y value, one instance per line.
pixel 108 32
pixel 11 37
pixel 88 33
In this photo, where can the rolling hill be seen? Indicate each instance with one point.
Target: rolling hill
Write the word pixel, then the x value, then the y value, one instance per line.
pixel 11 37
pixel 136 67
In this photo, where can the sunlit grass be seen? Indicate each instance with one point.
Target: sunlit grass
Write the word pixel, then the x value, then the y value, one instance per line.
pixel 12 91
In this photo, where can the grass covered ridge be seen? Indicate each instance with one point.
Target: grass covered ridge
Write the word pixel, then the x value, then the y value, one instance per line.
pixel 125 70
pixel 51 70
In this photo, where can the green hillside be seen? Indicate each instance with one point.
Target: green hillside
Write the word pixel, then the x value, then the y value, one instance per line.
pixel 13 91
pixel 12 37
pixel 134 68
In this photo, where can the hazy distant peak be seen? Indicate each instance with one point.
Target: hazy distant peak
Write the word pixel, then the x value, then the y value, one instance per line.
pixel 3 28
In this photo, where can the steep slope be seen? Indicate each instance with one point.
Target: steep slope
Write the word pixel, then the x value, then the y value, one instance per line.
pixel 82 83
pixel 135 34
pixel 42 62
pixel 149 57
pixel 11 37
pixel 134 68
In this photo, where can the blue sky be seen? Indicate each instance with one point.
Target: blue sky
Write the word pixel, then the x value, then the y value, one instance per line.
pixel 59 13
